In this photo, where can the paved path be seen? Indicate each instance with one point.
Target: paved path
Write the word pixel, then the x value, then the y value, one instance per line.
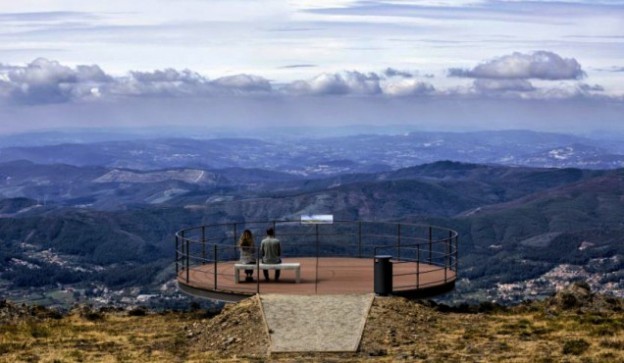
pixel 315 323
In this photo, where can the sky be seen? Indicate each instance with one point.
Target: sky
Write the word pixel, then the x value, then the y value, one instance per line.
pixel 246 64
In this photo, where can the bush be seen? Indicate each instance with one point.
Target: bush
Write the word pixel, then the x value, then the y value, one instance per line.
pixel 137 311
pixel 575 346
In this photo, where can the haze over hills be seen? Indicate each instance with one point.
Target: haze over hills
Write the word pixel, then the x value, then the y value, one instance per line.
pixel 322 156
pixel 105 232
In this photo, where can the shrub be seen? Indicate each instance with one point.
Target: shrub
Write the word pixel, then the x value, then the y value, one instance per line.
pixel 575 346
pixel 138 311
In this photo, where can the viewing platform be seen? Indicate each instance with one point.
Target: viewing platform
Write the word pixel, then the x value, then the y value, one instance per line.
pixel 334 258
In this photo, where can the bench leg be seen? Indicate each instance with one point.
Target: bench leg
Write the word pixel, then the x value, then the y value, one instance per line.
pixel 298 275
pixel 236 275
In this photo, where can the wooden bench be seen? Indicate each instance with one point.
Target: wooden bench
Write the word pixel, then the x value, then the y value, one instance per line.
pixel 264 266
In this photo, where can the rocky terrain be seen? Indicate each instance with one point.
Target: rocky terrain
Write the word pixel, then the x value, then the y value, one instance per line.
pixel 574 325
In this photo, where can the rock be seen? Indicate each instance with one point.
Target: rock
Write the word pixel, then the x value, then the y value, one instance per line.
pixel 377 353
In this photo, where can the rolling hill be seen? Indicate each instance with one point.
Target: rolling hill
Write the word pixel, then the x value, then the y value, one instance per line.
pixel 519 227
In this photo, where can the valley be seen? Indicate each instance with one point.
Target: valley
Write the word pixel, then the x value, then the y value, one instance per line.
pixel 95 221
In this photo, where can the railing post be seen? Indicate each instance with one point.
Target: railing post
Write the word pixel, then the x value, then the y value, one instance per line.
pixel 399 242
pixel 214 254
pixel 447 257
pixel 188 252
pixel 258 270
pixel 417 266
pixel 203 239
pixel 449 251
pixel 430 243
pixel 360 239
pixel 456 255
pixel 317 260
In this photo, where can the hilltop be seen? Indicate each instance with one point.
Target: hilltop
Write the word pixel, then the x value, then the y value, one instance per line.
pixel 573 325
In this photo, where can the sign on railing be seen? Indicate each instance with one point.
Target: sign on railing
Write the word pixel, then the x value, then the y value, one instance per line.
pixel 317 219
pixel 424 256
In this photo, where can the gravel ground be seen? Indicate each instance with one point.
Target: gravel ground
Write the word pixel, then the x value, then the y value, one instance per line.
pixel 316 323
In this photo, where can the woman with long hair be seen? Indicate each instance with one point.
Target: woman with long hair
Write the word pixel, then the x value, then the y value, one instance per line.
pixel 246 247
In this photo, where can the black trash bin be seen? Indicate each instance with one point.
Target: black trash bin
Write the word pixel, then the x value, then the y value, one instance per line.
pixel 383 275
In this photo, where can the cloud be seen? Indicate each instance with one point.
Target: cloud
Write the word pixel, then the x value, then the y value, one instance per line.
pixel 566 91
pixel 46 16
pixel 350 82
pixel 409 87
pixel 167 82
pixel 391 72
pixel 244 83
pixel 291 66
pixel 537 65
pixel 170 82
pixel 45 81
pixel 590 88
pixel 502 85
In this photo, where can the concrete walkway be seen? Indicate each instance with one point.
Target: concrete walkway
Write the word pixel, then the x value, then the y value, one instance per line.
pixel 315 323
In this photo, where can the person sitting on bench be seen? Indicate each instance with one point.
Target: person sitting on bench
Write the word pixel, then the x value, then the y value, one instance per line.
pixel 246 247
pixel 271 253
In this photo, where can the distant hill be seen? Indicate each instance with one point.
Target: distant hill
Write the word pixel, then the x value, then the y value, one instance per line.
pixel 16 206
pixel 326 156
pixel 523 231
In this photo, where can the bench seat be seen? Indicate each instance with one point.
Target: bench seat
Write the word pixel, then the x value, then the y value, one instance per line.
pixel 265 266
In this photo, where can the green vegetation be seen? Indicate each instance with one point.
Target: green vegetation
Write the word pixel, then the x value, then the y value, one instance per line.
pixel 515 224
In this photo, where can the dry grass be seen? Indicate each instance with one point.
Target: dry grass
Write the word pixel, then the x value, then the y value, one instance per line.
pixel 112 338
pixel 397 330
pixel 403 330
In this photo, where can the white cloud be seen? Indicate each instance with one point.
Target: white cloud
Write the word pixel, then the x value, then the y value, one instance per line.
pixel 45 81
pixel 537 65
pixel 408 87
pixel 502 85
pixel 350 82
pixel 244 83
pixel 167 82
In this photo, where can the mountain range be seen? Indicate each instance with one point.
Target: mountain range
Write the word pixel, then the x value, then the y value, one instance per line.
pixel 318 157
pixel 107 232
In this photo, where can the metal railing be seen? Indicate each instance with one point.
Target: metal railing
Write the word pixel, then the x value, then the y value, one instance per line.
pixel 427 249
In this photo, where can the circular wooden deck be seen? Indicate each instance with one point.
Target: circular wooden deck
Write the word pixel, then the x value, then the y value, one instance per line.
pixel 325 275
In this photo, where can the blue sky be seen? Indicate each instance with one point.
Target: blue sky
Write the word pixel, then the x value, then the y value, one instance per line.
pixel 447 65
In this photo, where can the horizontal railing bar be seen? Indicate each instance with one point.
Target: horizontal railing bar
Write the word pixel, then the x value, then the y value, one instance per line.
pixel 361 239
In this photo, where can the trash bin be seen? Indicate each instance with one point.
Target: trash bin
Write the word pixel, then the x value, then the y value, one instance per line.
pixel 383 275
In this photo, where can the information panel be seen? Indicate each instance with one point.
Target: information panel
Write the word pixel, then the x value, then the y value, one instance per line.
pixel 317 219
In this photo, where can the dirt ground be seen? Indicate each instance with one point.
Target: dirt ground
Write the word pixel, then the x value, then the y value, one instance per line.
pixel 238 332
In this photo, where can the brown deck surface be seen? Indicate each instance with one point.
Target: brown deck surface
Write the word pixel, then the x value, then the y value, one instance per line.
pixel 334 276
